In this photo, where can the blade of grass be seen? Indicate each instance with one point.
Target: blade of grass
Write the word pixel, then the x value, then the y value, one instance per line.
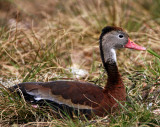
pixel 153 53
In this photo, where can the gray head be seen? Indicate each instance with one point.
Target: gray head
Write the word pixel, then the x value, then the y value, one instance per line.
pixel 113 38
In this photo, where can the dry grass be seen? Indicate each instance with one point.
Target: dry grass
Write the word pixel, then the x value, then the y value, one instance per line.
pixel 40 40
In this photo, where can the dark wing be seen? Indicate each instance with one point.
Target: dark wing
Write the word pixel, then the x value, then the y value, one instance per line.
pixel 74 94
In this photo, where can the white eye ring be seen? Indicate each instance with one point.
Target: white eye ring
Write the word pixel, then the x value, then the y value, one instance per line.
pixel 120 36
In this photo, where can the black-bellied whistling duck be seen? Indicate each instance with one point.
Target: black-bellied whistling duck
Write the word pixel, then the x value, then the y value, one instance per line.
pixel 83 97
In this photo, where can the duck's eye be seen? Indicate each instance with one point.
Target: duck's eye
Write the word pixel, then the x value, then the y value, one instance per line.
pixel 120 36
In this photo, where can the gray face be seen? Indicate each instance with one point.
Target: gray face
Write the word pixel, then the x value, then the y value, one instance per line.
pixel 114 40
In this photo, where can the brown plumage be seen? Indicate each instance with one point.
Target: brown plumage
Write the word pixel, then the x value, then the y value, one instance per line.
pixel 82 97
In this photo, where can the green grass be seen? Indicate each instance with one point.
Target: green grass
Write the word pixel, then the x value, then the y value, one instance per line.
pixel 49 37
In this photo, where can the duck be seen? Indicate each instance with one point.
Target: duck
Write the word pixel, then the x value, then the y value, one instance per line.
pixel 84 98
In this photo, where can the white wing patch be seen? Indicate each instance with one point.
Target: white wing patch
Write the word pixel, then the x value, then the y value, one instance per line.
pixel 46 93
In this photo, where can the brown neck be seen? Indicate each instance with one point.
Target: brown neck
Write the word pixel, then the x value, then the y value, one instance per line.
pixel 114 78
